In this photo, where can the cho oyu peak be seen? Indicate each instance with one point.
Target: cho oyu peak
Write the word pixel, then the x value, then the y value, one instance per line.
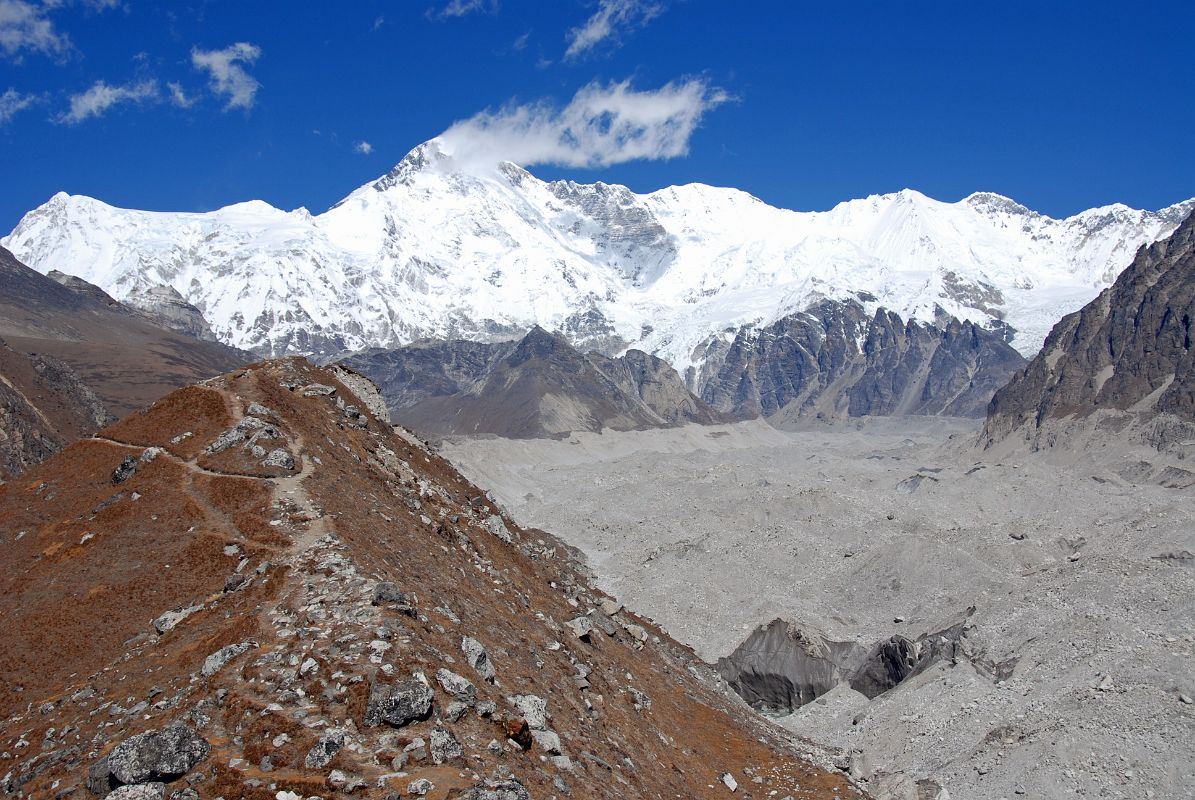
pixel 438 249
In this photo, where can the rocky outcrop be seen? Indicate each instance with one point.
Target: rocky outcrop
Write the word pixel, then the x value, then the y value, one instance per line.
pixel 201 629
pixel 44 406
pixel 164 306
pixel 1129 350
pixel 782 666
pixel 126 359
pixel 537 386
pixel 835 359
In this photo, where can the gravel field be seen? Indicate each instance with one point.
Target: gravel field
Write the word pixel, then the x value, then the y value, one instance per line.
pixel 1072 587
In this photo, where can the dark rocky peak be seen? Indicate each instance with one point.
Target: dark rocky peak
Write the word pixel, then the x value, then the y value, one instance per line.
pixel 540 344
pixel 1129 350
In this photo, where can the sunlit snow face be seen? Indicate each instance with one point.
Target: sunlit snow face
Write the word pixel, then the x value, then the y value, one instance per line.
pixel 431 251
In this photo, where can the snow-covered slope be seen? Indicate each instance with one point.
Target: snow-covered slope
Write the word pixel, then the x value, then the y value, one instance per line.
pixel 429 250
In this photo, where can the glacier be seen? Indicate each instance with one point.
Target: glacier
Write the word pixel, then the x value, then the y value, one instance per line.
pixel 435 250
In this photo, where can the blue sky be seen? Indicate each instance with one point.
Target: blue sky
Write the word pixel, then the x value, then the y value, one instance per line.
pixel 194 105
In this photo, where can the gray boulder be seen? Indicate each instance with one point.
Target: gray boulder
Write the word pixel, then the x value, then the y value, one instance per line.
pixel 497 790
pixel 445 746
pixel 477 658
pixel 160 755
pixel 322 753
pixel 398 704
pixel 217 660
pixel 457 686
pixel 141 791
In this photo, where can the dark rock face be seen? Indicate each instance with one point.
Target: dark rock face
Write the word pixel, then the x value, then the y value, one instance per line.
pixel 161 755
pixel 835 359
pixel 399 703
pixel 781 666
pixel 44 406
pixel 1130 348
pixel 538 386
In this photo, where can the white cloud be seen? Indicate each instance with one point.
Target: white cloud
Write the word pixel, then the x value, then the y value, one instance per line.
pixel 461 8
pixel 612 18
pixel 364 148
pixel 602 125
pixel 228 76
pixel 521 42
pixel 96 101
pixel 179 96
pixel 12 103
pixel 25 26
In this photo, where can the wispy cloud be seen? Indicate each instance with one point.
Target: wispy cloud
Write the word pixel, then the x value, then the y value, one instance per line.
pixel 12 103
pixel 602 125
pixel 613 18
pixel 521 42
pixel 462 8
pixel 227 72
pixel 179 96
pixel 379 22
pixel 364 148
pixel 96 101
pixel 25 27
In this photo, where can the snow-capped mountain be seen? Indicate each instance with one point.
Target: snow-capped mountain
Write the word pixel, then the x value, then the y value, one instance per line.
pixel 430 250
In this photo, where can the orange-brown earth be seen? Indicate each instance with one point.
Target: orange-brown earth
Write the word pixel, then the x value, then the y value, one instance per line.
pixel 277 542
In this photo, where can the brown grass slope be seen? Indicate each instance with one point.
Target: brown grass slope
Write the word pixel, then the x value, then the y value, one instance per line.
pixel 106 536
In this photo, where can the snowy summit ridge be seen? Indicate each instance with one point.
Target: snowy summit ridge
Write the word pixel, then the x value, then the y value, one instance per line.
pixel 439 249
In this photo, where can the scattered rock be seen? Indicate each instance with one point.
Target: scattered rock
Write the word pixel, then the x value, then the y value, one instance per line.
pixel 125 470
pixel 730 782
pixel 318 390
pixel 170 619
pixel 610 607
pixel 398 704
pixel 477 658
pixel 496 526
pixel 258 410
pixel 581 627
pixel 345 782
pixel 460 688
pixel 534 709
pixel 548 741
pixel 163 754
pixel 420 787
pixel 140 791
pixel 279 458
pixel 497 790
pixel 445 746
pixel 219 659
pixel 321 754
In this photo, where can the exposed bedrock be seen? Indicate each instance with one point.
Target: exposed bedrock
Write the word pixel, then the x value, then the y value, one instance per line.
pixel 782 666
